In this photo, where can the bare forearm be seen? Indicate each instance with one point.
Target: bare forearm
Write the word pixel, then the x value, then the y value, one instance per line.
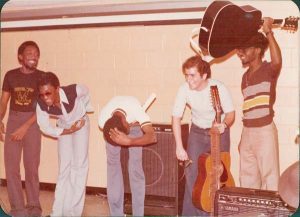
pixel 3 104
pixel 2 112
pixel 176 126
pixel 276 58
pixel 146 139
pixel 3 108
pixel 229 118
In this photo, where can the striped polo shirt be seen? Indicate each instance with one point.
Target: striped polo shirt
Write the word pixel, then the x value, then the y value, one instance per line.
pixel 259 94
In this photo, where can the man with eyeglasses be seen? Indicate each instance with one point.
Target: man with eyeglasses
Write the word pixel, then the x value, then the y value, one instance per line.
pixel 22 133
pixel 69 105
pixel 195 93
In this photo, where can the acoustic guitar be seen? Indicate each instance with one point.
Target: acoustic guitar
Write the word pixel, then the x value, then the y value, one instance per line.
pixel 225 26
pixel 213 168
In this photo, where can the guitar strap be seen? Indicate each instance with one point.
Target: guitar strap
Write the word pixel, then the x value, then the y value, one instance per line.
pixel 195 46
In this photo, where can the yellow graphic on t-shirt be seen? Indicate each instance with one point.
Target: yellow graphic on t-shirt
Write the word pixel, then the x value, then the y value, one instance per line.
pixel 22 95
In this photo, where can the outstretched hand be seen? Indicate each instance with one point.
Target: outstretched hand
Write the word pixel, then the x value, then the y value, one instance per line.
pixel 119 137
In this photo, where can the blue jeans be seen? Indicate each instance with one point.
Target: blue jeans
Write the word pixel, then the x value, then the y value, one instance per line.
pixel 115 183
pixel 198 143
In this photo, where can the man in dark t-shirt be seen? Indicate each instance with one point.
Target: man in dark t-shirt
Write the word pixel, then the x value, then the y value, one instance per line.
pixel 22 133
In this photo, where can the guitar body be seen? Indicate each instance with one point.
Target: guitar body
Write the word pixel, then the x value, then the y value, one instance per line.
pixel 225 26
pixel 201 192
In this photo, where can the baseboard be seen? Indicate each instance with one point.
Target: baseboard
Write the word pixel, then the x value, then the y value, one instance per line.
pixel 51 187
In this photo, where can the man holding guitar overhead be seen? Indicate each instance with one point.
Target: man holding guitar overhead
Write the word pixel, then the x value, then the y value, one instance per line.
pixel 195 93
pixel 259 161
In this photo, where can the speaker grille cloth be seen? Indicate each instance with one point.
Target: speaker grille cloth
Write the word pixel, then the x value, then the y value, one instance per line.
pixel 160 166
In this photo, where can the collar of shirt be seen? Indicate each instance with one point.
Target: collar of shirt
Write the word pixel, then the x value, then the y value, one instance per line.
pixel 63 97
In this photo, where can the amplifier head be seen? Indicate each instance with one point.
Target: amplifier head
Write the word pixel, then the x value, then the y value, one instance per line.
pixel 235 201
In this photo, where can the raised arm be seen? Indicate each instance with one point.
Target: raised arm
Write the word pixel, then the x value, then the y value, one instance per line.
pixel 276 58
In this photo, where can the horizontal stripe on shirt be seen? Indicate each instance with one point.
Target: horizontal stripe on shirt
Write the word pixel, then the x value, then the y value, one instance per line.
pixel 256 101
pixel 256 88
pixel 257 113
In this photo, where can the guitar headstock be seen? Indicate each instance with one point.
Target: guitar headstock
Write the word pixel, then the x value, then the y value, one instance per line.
pixel 290 24
pixel 214 93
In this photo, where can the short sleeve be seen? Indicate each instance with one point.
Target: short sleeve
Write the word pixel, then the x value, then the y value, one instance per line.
pixel 180 103
pixel 6 86
pixel 225 98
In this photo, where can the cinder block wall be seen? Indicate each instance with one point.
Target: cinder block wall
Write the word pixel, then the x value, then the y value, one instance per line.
pixel 139 60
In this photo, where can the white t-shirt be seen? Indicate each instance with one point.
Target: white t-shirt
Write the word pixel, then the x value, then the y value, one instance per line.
pixel 200 102
pixel 130 105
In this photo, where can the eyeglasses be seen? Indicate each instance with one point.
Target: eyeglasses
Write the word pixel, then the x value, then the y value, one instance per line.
pixel 186 163
pixel 47 94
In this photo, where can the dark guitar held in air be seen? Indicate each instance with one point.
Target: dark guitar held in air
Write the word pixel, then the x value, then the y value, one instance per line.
pixel 226 26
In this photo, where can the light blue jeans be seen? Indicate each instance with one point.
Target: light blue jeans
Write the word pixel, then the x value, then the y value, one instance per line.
pixel 115 183
pixel 198 143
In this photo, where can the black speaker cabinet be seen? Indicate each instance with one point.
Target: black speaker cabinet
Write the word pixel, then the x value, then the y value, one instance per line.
pixel 164 176
pixel 235 201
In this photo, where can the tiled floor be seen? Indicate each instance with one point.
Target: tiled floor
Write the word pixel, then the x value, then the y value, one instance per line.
pixel 95 205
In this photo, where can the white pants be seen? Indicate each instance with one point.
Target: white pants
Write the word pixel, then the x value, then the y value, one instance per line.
pixel 259 160
pixel 73 170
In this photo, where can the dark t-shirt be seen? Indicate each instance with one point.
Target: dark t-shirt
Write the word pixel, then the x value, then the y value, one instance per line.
pixel 22 88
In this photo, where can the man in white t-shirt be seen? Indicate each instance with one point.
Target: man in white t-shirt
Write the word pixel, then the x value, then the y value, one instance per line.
pixel 195 93
pixel 125 123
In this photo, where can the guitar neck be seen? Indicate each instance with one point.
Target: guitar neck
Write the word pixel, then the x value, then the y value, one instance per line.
pixel 215 163
pixel 275 22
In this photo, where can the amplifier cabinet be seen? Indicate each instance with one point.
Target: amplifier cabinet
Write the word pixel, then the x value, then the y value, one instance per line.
pixel 236 201
pixel 164 176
